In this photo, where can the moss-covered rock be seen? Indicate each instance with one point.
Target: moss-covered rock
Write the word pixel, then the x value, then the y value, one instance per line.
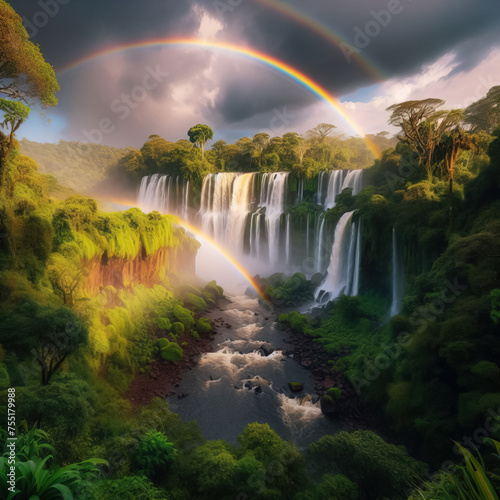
pixel 196 302
pixel 163 343
pixel 204 326
pixel 172 352
pixel 296 386
pixel 178 328
pixel 164 324
pixel 184 316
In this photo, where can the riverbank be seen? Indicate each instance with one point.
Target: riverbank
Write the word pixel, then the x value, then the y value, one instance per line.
pixel 163 378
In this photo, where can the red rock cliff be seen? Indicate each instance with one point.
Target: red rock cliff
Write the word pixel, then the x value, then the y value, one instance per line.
pixel 147 270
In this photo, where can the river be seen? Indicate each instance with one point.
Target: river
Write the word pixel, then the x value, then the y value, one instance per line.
pixel 237 384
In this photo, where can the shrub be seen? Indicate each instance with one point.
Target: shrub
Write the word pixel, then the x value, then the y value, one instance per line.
pixel 196 335
pixel 184 316
pixel 155 454
pixel 177 328
pixel 379 468
pixel 172 352
pixel 164 324
pixel 197 302
pixel 335 393
pixel 204 325
pixel 163 343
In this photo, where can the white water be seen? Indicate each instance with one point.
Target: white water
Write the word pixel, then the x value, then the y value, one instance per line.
pixel 397 277
pixel 343 270
pixel 244 213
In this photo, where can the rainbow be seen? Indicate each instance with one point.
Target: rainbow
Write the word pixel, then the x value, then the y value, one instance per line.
pixel 132 203
pixel 326 33
pixel 270 61
pixel 225 254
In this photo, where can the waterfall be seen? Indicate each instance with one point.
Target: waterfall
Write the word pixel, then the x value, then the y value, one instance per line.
pixel 164 193
pixel 357 262
pixel 397 277
pixel 307 236
pixel 341 276
pixel 338 180
pixel 272 197
pixel 244 212
pixel 319 244
pixel 287 242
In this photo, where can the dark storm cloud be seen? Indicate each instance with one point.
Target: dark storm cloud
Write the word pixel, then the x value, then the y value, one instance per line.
pixel 419 33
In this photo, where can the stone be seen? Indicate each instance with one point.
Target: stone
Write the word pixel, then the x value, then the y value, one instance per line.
pixel 296 386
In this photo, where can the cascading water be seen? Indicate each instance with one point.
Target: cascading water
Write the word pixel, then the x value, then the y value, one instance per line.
pixel 244 212
pixel 343 270
pixel 164 193
pixel 397 277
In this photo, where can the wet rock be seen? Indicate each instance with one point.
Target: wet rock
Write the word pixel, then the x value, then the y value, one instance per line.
pixel 306 363
pixel 328 405
pixel 258 389
pixel 266 349
pixel 296 386
pixel 248 385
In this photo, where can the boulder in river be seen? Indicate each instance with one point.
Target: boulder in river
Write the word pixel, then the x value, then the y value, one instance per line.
pixel 266 349
pixel 296 386
pixel 328 405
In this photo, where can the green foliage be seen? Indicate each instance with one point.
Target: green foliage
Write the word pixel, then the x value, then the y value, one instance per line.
pixel 178 328
pixel 495 306
pixel 164 324
pixel 204 326
pixel 335 393
pixel 472 481
pixel 380 469
pixel 172 352
pixel 184 316
pixel 196 302
pixel 127 488
pixel 77 165
pixel 336 487
pixel 155 454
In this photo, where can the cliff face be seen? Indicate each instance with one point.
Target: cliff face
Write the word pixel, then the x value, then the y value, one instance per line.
pixel 146 270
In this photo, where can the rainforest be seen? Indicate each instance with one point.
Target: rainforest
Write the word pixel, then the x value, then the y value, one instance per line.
pixel 220 281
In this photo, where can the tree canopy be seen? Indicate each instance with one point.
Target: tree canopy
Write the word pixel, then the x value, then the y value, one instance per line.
pixel 199 135
pixel 24 73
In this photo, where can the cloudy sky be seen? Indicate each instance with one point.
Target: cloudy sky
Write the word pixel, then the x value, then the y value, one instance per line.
pixel 367 53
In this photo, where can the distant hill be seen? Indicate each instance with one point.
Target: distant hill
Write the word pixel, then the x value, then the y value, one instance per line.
pixel 76 165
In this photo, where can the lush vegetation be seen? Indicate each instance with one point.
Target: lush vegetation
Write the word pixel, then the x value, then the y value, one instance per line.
pixel 71 354
pixel 79 166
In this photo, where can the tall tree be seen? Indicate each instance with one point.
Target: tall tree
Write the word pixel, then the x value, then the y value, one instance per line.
pixel 321 131
pixel 423 126
pixel 484 114
pixel 199 135
pixel 14 114
pixel 24 73
pixel 261 142
pixel 451 144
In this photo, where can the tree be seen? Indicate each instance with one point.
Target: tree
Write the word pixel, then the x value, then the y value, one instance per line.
pixel 24 73
pixel 321 131
pixel 484 114
pixel 14 114
pixel 50 334
pixel 199 135
pixel 423 126
pixel 261 142
pixel 301 148
pixel 452 143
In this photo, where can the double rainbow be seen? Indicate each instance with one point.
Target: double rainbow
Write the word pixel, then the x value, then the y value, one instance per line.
pixel 253 54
